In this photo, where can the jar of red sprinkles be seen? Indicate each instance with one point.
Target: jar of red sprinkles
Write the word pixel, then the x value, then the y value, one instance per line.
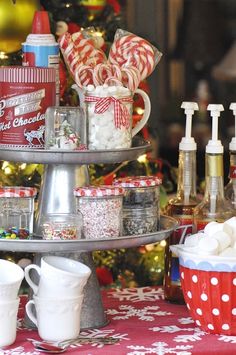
pixel 101 208
pixel 25 94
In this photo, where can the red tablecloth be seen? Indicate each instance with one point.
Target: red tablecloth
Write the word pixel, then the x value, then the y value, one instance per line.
pixel 145 324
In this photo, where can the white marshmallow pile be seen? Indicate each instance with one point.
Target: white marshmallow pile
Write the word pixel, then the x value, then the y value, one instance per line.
pixel 216 239
pixel 103 134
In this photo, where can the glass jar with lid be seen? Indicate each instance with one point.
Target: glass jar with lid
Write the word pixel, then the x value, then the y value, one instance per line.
pixel 101 208
pixel 16 211
pixel 141 213
pixel 64 226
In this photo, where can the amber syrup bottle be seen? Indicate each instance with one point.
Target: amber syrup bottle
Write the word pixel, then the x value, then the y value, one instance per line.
pixel 214 206
pixel 230 188
pixel 181 207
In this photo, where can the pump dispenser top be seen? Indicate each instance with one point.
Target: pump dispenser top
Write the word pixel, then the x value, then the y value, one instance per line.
pixel 232 144
pixel 188 143
pixel 214 145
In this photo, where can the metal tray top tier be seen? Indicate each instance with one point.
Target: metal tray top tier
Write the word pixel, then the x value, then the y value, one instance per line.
pixel 44 156
pixel 167 225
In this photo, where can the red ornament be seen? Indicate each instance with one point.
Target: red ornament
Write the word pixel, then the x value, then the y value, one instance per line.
pixel 73 27
pixel 116 6
pixel 104 276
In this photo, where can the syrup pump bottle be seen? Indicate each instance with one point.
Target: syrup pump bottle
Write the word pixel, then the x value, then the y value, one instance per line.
pixel 214 206
pixel 181 206
pixel 230 188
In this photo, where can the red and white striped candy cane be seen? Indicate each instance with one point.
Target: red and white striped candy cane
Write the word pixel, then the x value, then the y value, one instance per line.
pixel 131 50
pixel 87 50
pixel 83 75
pixel 116 72
pixel 131 78
pixel 101 73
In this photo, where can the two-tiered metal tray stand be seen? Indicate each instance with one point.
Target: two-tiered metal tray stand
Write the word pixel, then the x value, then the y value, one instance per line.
pixel 64 170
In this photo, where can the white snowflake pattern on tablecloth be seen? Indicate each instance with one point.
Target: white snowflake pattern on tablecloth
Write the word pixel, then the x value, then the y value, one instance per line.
pixel 18 351
pixel 197 335
pixel 145 314
pixel 137 294
pixel 159 348
pixel 186 320
pixel 186 338
pixel 170 329
pixel 228 338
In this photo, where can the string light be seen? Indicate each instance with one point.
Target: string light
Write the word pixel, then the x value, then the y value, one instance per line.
pixel 23 166
pixel 163 243
pixel 142 158
pixel 7 170
pixel 3 55
pixel 139 110
pixel 4 165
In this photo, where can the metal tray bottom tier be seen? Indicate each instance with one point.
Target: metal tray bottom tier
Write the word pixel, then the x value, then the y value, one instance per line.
pixel 167 225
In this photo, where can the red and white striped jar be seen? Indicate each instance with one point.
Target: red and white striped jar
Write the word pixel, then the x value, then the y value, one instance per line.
pixel 25 94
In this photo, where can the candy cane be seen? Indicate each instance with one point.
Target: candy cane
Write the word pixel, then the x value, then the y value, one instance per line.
pixel 101 73
pixel 114 81
pixel 131 50
pixel 131 78
pixel 83 75
pixel 116 72
pixel 87 50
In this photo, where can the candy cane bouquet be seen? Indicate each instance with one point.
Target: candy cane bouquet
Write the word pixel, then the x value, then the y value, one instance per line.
pixel 106 85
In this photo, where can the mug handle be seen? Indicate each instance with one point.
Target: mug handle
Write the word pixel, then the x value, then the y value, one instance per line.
pixel 28 279
pixel 146 114
pixel 29 312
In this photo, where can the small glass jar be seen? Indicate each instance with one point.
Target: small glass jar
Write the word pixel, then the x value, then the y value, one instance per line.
pixel 140 203
pixel 140 221
pixel 65 128
pixel 16 212
pixel 62 226
pixel 101 208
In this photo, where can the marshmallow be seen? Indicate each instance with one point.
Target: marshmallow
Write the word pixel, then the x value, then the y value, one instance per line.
pixel 208 246
pixel 213 227
pixel 223 239
pixel 228 252
pixel 193 240
pixel 232 223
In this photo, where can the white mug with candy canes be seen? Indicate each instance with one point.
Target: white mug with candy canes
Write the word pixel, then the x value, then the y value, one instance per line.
pixel 107 85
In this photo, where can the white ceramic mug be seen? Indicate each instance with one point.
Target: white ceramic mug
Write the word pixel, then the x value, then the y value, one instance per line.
pixel 11 276
pixel 8 321
pixel 56 319
pixel 59 277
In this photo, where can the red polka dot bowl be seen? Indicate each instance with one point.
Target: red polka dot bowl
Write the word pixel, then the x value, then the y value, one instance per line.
pixel 209 288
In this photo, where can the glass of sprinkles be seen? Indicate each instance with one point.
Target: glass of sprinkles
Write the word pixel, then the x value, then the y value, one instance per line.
pixel 16 211
pixel 101 207
pixel 140 204
pixel 62 226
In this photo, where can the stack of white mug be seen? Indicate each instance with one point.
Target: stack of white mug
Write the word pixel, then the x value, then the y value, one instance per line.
pixel 11 276
pixel 56 305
